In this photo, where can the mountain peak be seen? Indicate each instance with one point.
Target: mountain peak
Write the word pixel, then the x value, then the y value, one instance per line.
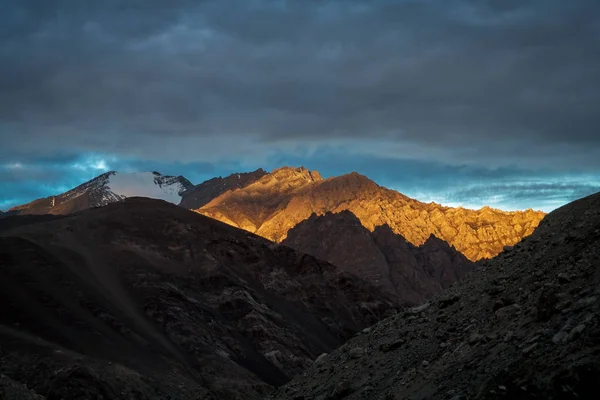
pixel 293 172
pixel 356 179
pixel 107 188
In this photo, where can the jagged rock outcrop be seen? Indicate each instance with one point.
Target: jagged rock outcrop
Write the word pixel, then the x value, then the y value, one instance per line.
pixel 203 193
pixel 109 188
pixel 144 299
pixel 524 325
pixel 409 273
pixel 278 201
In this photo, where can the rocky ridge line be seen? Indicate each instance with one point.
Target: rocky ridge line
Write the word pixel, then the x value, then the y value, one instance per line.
pixel 203 193
pixel 278 201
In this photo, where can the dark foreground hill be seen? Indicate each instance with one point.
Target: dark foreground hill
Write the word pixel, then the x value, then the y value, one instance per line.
pixel 143 299
pixel 524 325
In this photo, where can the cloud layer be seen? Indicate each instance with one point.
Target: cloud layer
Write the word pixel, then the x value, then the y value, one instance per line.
pixel 488 84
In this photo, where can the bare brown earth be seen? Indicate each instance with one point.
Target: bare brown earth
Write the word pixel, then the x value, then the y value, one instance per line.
pixel 278 201
pixel 411 274
pixel 524 325
pixel 143 299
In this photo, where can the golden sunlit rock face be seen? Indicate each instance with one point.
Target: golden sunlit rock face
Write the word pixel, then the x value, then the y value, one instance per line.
pixel 280 200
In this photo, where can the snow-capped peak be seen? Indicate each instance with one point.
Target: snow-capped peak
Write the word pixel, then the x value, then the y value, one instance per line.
pixel 108 188
pixel 147 184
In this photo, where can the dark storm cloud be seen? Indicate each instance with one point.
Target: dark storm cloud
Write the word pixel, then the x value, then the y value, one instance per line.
pixel 501 82
pixel 467 102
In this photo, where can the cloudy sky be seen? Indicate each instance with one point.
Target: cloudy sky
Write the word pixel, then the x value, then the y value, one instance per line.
pixel 463 102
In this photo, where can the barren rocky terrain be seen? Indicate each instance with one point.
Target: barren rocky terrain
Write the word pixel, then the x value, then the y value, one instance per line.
pixel 143 299
pixel 524 325
pixel 410 274
pixel 270 204
pixel 203 193
pixel 278 201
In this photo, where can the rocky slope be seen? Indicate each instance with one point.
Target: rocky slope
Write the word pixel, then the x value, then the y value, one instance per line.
pixel 203 193
pixel 109 188
pixel 142 299
pixel 280 200
pixel 11 390
pixel 524 325
pixel 409 273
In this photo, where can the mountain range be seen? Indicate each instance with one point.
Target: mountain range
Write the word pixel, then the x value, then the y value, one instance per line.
pixel 349 289
pixel 406 248
pixel 278 201
pixel 270 204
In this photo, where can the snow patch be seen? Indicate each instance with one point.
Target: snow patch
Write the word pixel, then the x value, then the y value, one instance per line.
pixel 146 184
